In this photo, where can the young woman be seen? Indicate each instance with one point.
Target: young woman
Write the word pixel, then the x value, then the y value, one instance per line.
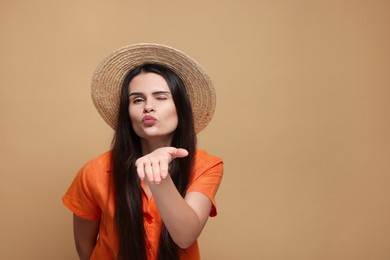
pixel 150 196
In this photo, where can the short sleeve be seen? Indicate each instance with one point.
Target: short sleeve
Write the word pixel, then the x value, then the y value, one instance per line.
pixel 80 197
pixel 207 176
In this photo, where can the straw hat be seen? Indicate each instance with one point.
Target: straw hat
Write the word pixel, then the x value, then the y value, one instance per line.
pixel 109 75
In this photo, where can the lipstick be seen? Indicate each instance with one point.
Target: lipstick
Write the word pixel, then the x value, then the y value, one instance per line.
pixel 148 120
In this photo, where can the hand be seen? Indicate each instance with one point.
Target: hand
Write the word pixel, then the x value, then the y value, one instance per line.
pixel 154 166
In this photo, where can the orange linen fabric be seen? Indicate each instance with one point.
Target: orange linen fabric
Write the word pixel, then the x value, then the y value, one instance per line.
pixel 91 196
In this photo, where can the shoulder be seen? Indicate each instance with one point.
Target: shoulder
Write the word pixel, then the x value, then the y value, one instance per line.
pixel 207 163
pixel 206 176
pixel 101 162
pixel 202 159
pixel 96 171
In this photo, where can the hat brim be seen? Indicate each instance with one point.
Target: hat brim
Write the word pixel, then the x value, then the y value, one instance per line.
pixel 109 75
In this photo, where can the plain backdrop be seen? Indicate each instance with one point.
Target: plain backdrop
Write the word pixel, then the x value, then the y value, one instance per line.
pixel 302 119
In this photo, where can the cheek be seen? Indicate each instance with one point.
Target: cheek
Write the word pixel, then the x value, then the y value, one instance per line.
pixel 132 114
pixel 129 110
pixel 174 118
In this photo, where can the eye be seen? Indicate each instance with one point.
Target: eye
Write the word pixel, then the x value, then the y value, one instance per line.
pixel 161 97
pixel 138 100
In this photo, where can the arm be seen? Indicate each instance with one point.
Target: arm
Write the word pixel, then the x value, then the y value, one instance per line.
pixel 184 218
pixel 85 235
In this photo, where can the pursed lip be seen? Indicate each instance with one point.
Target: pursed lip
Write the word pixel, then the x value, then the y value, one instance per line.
pixel 148 118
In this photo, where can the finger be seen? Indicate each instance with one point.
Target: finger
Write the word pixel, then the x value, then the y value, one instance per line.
pixel 179 153
pixel 164 166
pixel 140 169
pixel 148 171
pixel 156 170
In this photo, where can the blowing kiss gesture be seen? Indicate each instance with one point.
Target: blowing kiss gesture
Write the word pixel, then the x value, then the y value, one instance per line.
pixel 154 166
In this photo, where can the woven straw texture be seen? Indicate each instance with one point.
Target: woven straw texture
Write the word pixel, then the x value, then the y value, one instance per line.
pixel 109 75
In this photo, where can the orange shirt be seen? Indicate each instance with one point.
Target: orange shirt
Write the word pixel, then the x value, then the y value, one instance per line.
pixel 91 196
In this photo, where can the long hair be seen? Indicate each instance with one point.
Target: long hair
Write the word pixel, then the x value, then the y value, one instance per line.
pixel 126 149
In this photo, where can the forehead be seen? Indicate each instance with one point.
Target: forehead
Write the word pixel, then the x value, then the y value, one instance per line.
pixel 148 82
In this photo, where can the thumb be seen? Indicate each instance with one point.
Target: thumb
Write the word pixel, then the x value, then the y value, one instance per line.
pixel 179 153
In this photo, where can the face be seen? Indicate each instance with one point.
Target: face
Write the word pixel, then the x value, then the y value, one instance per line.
pixel 151 108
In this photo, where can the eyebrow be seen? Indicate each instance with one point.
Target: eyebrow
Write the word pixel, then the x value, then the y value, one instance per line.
pixel 154 93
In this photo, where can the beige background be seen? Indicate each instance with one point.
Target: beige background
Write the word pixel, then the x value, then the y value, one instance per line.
pixel 302 120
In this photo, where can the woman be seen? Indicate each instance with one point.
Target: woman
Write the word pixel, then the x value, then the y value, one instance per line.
pixel 151 195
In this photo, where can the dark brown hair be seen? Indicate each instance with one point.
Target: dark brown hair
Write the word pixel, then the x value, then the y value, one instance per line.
pixel 126 149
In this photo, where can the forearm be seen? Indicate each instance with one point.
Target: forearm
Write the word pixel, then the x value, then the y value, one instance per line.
pixel 85 235
pixel 84 251
pixel 184 218
pixel 179 217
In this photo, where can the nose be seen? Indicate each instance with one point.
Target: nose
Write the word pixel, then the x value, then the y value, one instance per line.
pixel 149 107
